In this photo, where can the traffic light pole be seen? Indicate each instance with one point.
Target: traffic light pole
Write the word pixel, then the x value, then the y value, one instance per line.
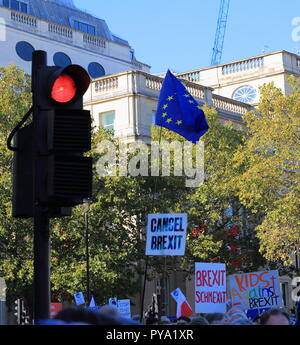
pixel 41 217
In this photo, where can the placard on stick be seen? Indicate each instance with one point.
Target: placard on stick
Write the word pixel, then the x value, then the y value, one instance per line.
pixel 210 288
pixel 166 234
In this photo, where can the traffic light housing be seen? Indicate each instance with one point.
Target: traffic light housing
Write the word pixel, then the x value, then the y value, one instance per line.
pixel 63 135
pixel 50 168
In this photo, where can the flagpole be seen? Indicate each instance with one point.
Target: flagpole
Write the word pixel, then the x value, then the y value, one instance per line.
pixel 147 257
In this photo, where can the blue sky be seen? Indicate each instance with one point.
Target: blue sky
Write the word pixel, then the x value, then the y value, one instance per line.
pixel 180 34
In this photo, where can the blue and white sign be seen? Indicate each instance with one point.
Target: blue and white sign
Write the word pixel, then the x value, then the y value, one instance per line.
pixel 113 301
pixel 79 299
pixel 124 308
pixel 166 234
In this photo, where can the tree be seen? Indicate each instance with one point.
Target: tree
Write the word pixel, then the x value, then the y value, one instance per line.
pixel 215 209
pixel 269 165
pixel 16 263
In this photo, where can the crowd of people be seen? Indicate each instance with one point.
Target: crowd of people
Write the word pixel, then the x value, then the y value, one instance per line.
pixel 109 315
pixel 234 317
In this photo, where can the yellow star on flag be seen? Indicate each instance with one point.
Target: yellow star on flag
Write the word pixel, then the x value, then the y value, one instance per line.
pixel 169 120
pixel 187 95
pixel 164 114
pixel 165 106
pixel 179 122
pixel 191 101
pixel 170 98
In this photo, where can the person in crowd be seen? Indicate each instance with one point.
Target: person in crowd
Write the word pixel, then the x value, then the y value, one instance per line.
pixel 110 309
pixel 256 320
pixel 233 311
pixel 297 307
pixel 199 320
pixel 275 316
pixel 241 321
pixel 216 317
pixel 183 320
pixel 181 323
pixel 136 317
pixel 222 323
pixel 151 320
pixel 83 316
pixel 237 316
pixel 164 320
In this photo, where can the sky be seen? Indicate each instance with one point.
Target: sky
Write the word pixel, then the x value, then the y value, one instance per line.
pixel 179 35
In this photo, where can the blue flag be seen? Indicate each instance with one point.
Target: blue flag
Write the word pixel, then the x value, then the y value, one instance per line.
pixel 92 302
pixel 178 111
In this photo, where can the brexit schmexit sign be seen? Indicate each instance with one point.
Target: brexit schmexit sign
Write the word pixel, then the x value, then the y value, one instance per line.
pixel 166 234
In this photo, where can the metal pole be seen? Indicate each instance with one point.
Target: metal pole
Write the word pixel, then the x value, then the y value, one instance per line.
pixel 165 299
pixel 87 256
pixel 41 264
pixel 146 267
pixel 143 291
pixel 41 217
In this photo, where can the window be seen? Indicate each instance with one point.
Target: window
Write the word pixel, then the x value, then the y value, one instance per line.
pixel 61 60
pixel 88 29
pixel 15 5
pixel 84 27
pixel 96 70
pixel 153 117
pixel 24 50
pixel 245 94
pixel 91 30
pixel 23 7
pixel 107 120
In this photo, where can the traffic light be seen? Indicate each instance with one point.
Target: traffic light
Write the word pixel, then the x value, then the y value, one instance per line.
pixel 50 168
pixel 17 310
pixel 63 134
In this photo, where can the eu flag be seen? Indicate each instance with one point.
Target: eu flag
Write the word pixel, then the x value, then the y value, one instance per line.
pixel 178 111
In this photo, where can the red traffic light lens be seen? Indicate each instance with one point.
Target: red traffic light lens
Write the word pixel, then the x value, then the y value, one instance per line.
pixel 64 89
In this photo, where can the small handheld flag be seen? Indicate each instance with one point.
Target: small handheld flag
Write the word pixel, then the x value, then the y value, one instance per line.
pixel 183 307
pixel 92 303
pixel 179 112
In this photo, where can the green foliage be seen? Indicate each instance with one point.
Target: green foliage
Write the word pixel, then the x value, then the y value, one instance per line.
pixel 16 262
pixel 269 162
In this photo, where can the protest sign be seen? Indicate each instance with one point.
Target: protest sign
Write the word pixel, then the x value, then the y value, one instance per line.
pixel 255 290
pixel 166 234
pixel 124 308
pixel 79 299
pixel 55 308
pixel 210 288
pixel 113 301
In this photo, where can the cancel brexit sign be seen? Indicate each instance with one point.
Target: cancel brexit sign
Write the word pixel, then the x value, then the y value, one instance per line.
pixel 166 234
